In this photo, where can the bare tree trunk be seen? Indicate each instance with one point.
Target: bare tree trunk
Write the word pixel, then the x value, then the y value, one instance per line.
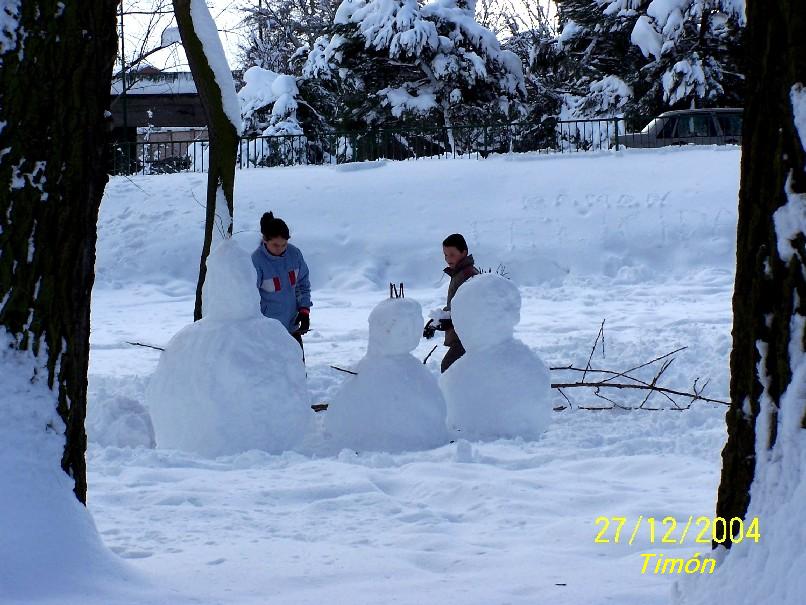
pixel 55 81
pixel 223 137
pixel 769 290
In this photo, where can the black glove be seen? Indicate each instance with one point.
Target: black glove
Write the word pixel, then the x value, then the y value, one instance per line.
pixel 444 325
pixel 429 330
pixel 304 321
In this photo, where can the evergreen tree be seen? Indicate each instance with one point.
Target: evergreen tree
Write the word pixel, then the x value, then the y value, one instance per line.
pixel 593 57
pixel 389 61
pixel 693 50
pixel 282 32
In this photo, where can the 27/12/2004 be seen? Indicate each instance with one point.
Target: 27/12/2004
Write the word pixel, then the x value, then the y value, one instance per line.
pixel 669 531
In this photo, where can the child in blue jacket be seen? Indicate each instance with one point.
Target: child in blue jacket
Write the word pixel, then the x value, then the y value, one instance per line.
pixel 282 278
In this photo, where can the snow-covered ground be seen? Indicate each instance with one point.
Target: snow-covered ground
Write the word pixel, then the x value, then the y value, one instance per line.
pixel 644 240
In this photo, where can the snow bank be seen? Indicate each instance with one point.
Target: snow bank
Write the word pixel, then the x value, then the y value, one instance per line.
pixel 49 546
pixel 234 380
pixel 394 403
pixel 500 387
pixel 662 213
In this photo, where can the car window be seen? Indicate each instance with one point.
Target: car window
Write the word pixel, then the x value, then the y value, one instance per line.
pixel 666 131
pixel 699 125
pixel 653 126
pixel 731 124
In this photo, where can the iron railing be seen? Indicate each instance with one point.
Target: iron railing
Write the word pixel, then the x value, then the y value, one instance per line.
pixel 548 136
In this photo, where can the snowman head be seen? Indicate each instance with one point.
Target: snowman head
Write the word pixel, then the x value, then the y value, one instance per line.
pixel 485 310
pixel 395 327
pixel 229 289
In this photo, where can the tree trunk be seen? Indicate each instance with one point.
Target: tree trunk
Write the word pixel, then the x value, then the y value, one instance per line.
pixel 768 287
pixel 223 138
pixel 55 79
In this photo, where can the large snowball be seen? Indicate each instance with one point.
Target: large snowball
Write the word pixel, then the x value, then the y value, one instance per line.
pixel 485 310
pixel 500 387
pixel 227 385
pixel 230 290
pixel 503 391
pixel 395 327
pixel 394 403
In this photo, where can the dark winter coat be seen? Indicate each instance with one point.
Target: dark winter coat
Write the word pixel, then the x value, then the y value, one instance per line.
pixel 283 283
pixel 464 270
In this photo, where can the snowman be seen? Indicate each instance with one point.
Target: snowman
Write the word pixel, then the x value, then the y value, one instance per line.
pixel 499 388
pixel 234 380
pixel 394 403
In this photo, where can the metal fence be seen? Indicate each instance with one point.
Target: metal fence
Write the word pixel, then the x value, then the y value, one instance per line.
pixel 548 136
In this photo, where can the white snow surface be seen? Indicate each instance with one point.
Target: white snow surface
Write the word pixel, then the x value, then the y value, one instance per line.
pixel 499 388
pixel 234 380
pixel 790 219
pixel 645 37
pixel 206 30
pixel 49 546
pixel 797 96
pixel 644 239
pixel 770 569
pixel 9 22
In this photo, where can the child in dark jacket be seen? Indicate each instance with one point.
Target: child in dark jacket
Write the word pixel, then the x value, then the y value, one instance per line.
pixel 461 267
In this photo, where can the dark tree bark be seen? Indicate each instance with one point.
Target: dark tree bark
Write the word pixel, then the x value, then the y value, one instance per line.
pixel 767 288
pixel 55 79
pixel 223 137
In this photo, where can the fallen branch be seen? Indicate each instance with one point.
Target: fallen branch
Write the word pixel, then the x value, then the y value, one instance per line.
pixel 345 371
pixel 619 385
pixel 140 344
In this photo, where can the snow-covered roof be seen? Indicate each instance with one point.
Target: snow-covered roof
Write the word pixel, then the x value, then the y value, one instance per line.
pixel 167 83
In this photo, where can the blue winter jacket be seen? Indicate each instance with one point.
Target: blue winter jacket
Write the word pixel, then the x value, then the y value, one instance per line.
pixel 283 284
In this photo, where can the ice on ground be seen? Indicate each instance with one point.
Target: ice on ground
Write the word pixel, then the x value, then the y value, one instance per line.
pixel 234 380
pixel 394 403
pixel 499 387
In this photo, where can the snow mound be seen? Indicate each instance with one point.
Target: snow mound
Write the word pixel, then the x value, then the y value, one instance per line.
pixel 234 380
pixel 487 312
pixel 500 388
pixel 119 421
pixel 49 545
pixel 394 403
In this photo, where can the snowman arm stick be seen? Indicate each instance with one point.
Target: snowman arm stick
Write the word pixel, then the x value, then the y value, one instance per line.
pixel 429 354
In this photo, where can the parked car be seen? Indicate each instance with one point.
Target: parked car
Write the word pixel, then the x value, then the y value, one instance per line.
pixel 716 126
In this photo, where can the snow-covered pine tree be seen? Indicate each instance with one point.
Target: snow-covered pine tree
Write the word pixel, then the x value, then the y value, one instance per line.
pixel 693 49
pixel 593 57
pixel 390 61
pixel 281 32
